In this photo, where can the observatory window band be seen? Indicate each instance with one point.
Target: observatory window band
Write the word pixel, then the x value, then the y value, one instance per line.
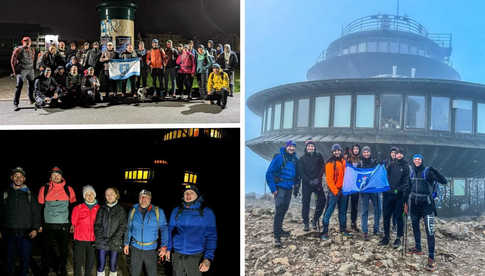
pixel 481 118
pixel 269 118
pixel 415 112
pixel 459 187
pixel 288 115
pixel 342 111
pixel 440 113
pixel 303 112
pixel 277 116
pixel 322 111
pixel 463 112
pixel 364 116
pixel 391 111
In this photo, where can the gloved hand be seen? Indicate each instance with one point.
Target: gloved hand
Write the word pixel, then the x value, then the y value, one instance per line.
pixel 295 193
pixel 396 191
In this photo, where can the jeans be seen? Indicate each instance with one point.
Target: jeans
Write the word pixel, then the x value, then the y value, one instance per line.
pixel 83 256
pixel 282 203
pixel 170 72
pixel 231 80
pixel 364 199
pixel 113 260
pixel 186 264
pixel 220 96
pixel 333 200
pixel 148 257
pixel 24 75
pixel 18 244
pixel 307 191
pixel 422 209
pixel 393 204
pixel 202 81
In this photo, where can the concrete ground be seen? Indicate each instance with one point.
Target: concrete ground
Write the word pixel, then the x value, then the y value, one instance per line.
pixel 166 112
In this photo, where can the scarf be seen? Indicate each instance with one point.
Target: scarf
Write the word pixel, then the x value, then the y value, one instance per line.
pixel 91 205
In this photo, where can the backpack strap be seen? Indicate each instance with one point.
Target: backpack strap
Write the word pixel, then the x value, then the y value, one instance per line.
pixel 132 214
pixel 157 214
pixel 66 189
pixel 411 172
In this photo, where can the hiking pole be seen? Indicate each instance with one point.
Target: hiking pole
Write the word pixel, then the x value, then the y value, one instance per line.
pixel 405 236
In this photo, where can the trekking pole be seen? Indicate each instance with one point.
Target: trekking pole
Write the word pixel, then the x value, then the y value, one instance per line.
pixel 405 236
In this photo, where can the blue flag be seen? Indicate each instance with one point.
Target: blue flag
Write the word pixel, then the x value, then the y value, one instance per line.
pixel 121 69
pixel 372 180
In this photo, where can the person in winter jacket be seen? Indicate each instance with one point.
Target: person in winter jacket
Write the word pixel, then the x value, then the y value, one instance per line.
pixel 83 218
pixel 354 159
pixel 187 64
pixel 19 221
pixel 109 229
pixel 82 54
pixel 170 64
pixel 179 77
pixel 129 53
pixel 106 56
pixel 56 197
pixel 421 200
pixel 72 51
pixel 74 62
pixel 145 221
pixel 50 58
pixel 280 177
pixel 229 63
pixel 210 48
pixel 73 85
pixel 334 172
pixel 204 62
pixel 47 91
pixel 61 54
pixel 367 162
pixel 90 88
pixel 192 235
pixel 394 199
pixel 92 58
pixel 218 86
pixel 310 168
pixel 155 61
pixel 141 52
pixel 22 63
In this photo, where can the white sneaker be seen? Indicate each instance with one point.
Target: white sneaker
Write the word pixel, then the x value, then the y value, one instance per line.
pixel 113 273
pixel 100 273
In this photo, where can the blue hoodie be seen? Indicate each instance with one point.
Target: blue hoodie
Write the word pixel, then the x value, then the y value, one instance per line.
pixel 190 233
pixel 287 174
pixel 146 230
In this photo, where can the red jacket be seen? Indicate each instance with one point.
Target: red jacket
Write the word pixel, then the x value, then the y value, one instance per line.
pixel 155 57
pixel 187 63
pixel 83 220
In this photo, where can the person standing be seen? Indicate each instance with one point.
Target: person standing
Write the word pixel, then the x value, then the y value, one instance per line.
pixel 367 162
pixel 334 173
pixel 423 185
pixel 187 64
pixel 141 52
pixel 354 159
pixel 210 48
pixel 106 56
pixel 83 218
pixel 204 62
pixel 109 229
pixel 72 51
pixel 92 58
pixel 170 64
pixel 22 63
pixel 50 58
pixel 82 54
pixel 192 235
pixel 155 61
pixel 230 65
pixel 281 177
pixel 128 54
pixel 141 238
pixel 19 221
pixel 55 196
pixel 394 199
pixel 310 168
pixel 61 54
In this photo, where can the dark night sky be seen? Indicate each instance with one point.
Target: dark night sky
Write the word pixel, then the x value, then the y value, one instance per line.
pixel 98 157
pixel 79 20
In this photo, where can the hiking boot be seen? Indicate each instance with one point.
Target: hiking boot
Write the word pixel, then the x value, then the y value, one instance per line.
pixel 345 233
pixel 277 243
pixel 394 228
pixel 366 237
pixel 285 233
pixel 306 228
pixel 396 243
pixel 431 266
pixel 415 251
pixel 314 225
pixel 324 237
pixel 15 107
pixel 354 227
pixel 384 241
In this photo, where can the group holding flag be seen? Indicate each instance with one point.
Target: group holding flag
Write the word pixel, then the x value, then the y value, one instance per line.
pixel 404 187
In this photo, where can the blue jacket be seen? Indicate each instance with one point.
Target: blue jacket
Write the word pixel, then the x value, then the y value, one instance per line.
pixel 143 233
pixel 286 173
pixel 190 233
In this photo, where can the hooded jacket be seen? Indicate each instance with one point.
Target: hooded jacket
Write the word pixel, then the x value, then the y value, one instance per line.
pixel 187 64
pixel 204 62
pixel 17 212
pixel 334 172
pixel 283 166
pixel 229 65
pixel 56 202
pixel 171 57
pixel 142 231
pixel 83 219
pixel 190 233
pixel 109 227
pixel 310 167
pixel 398 176
pixel 217 82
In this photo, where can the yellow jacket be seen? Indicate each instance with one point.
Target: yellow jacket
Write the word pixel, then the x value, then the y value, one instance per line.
pixel 217 82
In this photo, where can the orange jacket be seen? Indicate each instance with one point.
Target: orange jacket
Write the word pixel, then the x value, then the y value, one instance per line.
pixel 334 173
pixel 155 58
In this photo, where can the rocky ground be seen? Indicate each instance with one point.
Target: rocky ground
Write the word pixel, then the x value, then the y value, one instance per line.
pixel 460 247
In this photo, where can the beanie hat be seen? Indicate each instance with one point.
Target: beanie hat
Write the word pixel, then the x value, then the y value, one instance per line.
pixel 309 142
pixel 56 170
pixel 18 170
pixel 418 155
pixel 210 41
pixel 336 147
pixel 216 65
pixel 155 40
pixel 290 143
pixel 395 148
pixel 88 188
pixel 366 148
pixel 188 186
pixel 201 46
pixel 145 192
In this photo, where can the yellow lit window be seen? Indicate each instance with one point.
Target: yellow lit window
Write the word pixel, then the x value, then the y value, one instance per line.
pixel 191 178
pixel 140 174
pixel 186 177
pixel 145 175
pixel 179 133
pixel 130 175
pixel 195 178
pixel 126 175
pixel 196 132
pixel 191 132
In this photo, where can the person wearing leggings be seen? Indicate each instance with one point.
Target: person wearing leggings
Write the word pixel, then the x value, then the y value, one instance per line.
pixel 109 229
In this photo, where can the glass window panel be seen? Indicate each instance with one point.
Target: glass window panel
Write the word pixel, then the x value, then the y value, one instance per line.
pixel 362 47
pixel 421 52
pixel 440 113
pixel 462 110
pixel 322 111
pixel 265 113
pixel 481 118
pixel 372 46
pixel 459 187
pixel 353 49
pixel 391 111
pixel 269 118
pixel 345 51
pixel 288 115
pixel 342 111
pixel 126 175
pixel 413 50
pixel 135 177
pixel 364 116
pixel 415 112
pixel 186 177
pixel 130 175
pixel 394 47
pixel 382 46
pixel 303 113
pixel 277 116
pixel 145 174
pixel 403 48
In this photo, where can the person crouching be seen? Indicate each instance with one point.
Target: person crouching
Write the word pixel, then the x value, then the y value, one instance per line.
pixel 218 86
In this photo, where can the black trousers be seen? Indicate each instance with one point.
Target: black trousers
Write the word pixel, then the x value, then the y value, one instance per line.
pixel 186 264
pixel 220 96
pixel 132 85
pixel 188 79
pixel 83 257
pixel 354 203
pixel 157 74
pixel 141 81
pixel 170 73
pixel 307 191
pixel 26 75
pixel 423 210
pixel 109 84
pixel 54 247
pixel 140 257
pixel 180 83
pixel 393 204
pixel 282 203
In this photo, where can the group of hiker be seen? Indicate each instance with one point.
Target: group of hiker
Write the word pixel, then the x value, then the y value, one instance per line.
pixel 102 231
pixel 71 77
pixel 412 188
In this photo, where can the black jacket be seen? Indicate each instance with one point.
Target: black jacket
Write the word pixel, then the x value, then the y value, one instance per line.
pixel 367 163
pixel 310 169
pixel 110 227
pixel 398 176
pixel 233 62
pixel 92 57
pixel 431 177
pixel 45 87
pixel 17 212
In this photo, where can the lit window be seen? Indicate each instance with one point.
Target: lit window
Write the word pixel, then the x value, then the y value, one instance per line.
pixel 269 118
pixel 277 116
pixel 342 111
pixel 322 111
pixel 212 133
pixel 364 116
pixel 126 174
pixel 462 110
pixel 130 175
pixel 179 135
pixel 288 115
pixel 191 132
pixel 196 132
pixel 140 174
pixel 391 111
pixel 303 113
pixel 481 118
pixel 145 175
pixel 186 177
pixel 440 113
pixel 416 112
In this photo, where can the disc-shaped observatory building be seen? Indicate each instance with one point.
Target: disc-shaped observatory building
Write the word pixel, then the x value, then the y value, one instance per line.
pixel 386 81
